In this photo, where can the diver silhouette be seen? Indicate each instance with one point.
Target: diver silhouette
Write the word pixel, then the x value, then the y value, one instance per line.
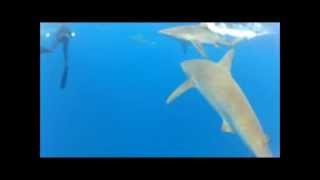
pixel 63 36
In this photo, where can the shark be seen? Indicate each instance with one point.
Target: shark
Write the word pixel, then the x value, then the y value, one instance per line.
pixel 245 30
pixel 197 35
pixel 215 82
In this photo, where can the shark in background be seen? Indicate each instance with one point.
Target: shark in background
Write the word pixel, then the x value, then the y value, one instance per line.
pixel 237 30
pixel 198 35
pixel 215 82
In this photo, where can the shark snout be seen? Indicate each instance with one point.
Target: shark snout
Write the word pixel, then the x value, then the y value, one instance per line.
pixel 164 31
pixel 188 66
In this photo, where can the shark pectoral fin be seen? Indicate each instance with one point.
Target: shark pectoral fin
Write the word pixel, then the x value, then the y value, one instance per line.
pixel 200 49
pixel 226 127
pixel 180 90
pixel 226 61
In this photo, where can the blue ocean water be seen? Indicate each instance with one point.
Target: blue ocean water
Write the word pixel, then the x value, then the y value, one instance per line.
pixel 120 74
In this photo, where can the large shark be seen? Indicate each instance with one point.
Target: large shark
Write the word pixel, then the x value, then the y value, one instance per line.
pixel 216 84
pixel 198 35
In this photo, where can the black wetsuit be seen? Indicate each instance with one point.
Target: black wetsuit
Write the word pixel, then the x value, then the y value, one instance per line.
pixel 63 36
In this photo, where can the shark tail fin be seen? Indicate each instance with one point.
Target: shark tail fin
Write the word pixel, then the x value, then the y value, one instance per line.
pixel 180 90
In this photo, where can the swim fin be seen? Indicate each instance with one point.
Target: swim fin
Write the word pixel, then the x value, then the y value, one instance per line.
pixel 64 78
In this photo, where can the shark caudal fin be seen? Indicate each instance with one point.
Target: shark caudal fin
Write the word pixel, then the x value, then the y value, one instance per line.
pixel 180 90
pixel 227 59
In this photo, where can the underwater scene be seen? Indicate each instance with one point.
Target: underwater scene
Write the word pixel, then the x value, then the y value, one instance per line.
pixel 160 89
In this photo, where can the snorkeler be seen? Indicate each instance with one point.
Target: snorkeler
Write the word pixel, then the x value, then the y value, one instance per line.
pixel 63 35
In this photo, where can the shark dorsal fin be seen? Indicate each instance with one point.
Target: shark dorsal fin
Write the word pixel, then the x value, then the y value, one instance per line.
pixel 226 61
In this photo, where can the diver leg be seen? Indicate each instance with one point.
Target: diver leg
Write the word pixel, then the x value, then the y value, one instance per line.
pixel 64 78
pixel 66 51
